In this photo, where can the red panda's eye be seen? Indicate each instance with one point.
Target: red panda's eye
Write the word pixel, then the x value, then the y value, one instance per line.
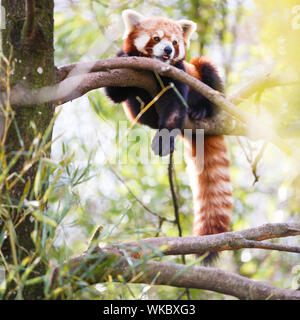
pixel 174 43
pixel 157 39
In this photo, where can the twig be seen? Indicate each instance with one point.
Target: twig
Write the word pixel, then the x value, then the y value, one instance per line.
pixel 270 246
pixel 248 157
pixel 256 161
pixel 173 193
pixel 175 206
pixel 160 223
pixel 264 81
pixel 160 218
pixel 253 163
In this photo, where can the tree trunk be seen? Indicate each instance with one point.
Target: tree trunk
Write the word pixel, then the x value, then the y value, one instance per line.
pixel 27 42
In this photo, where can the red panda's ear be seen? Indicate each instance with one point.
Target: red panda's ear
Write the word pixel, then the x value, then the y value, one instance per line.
pixel 188 27
pixel 131 19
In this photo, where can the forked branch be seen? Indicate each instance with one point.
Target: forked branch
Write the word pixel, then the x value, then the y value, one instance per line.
pixel 130 262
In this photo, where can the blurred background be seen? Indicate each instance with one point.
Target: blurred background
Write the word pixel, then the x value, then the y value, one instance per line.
pixel 244 39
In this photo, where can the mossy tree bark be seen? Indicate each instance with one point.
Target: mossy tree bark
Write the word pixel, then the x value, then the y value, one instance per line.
pixel 27 42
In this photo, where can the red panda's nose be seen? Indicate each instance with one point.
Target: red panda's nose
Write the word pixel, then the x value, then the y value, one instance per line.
pixel 168 50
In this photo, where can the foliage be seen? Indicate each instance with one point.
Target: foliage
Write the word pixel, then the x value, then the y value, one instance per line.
pixel 85 188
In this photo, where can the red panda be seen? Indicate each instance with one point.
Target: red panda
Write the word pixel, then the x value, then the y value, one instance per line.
pixel 167 40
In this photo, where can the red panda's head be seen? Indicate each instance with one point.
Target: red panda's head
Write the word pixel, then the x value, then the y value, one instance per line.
pixel 156 37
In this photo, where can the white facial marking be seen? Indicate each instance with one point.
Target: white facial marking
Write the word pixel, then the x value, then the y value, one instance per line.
pixel 174 38
pixel 141 42
pixel 181 53
pixel 160 33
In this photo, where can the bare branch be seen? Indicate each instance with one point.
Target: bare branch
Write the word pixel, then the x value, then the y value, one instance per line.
pixel 248 238
pixel 161 273
pixel 76 86
pixel 212 279
pixel 264 81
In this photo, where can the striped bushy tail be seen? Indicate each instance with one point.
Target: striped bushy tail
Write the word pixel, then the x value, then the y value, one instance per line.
pixel 211 187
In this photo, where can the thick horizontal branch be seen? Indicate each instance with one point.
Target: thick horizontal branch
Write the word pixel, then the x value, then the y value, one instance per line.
pixel 212 279
pixel 129 262
pixel 76 86
pixel 223 123
pixel 106 265
pixel 77 79
pixel 253 128
pixel 248 238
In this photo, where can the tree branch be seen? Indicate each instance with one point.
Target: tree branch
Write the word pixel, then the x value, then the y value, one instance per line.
pixel 75 80
pixel 76 86
pixel 212 279
pixel 248 121
pixel 248 238
pixel 107 264
pixel 264 81
pixel 126 262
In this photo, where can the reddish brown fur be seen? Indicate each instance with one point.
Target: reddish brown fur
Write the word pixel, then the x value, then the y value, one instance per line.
pixel 212 188
pixel 149 27
pixel 198 62
pixel 129 112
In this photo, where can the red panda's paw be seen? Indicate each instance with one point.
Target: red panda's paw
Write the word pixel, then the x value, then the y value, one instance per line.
pixel 163 145
pixel 197 113
pixel 122 54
